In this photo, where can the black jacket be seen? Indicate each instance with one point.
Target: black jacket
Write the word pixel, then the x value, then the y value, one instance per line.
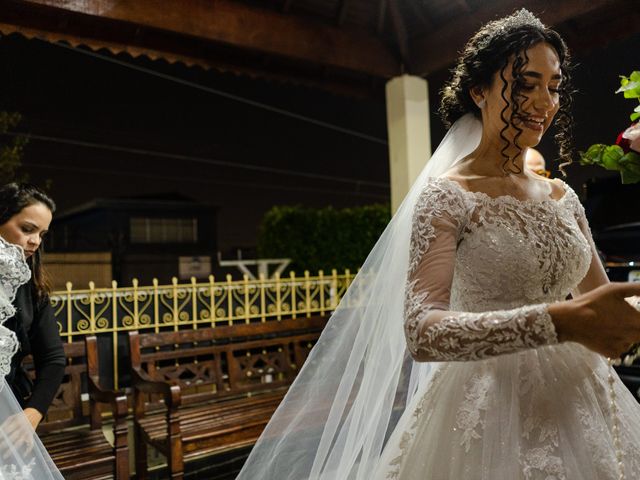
pixel 37 331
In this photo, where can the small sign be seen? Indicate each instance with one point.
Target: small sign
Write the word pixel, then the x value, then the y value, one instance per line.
pixel 199 267
pixel 634 276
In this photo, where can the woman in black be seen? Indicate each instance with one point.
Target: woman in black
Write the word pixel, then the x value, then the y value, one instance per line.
pixel 25 215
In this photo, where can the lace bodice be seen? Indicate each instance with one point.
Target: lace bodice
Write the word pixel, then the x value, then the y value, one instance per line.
pixel 483 270
pixel 14 271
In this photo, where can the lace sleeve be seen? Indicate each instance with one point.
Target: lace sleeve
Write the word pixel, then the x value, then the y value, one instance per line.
pixel 433 332
pixel 596 275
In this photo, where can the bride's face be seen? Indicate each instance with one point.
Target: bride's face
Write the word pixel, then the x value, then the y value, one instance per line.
pixel 538 103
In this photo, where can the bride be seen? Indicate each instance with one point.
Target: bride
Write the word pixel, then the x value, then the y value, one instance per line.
pixel 456 354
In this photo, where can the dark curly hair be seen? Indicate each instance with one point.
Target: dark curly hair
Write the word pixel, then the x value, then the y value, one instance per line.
pixel 488 52
pixel 14 197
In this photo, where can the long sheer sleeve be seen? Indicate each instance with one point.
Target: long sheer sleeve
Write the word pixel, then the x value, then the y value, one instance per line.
pixel 596 275
pixel 433 332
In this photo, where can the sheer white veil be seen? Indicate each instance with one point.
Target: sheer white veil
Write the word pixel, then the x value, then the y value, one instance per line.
pixel 334 421
pixel 22 456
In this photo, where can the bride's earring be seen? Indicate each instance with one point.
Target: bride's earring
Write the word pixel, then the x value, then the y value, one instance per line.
pixel 482 103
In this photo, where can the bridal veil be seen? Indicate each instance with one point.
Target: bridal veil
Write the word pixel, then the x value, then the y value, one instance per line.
pixel 336 417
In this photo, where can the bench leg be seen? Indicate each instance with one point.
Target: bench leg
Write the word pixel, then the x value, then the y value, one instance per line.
pixel 176 462
pixel 141 454
pixel 121 451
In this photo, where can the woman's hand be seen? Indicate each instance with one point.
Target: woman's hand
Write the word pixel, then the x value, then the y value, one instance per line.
pixel 34 416
pixel 601 319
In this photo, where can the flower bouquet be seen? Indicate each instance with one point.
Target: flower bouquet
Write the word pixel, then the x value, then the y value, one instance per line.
pixel 624 156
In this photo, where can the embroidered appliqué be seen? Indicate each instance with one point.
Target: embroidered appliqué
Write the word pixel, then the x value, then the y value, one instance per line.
pixel 12 472
pixel 469 415
pixel 538 450
pixel 541 460
pixel 465 336
pixel 406 440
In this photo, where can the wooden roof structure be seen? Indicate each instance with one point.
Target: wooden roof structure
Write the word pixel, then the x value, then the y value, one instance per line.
pixel 347 46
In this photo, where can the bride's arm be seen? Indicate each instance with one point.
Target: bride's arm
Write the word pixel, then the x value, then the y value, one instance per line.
pixel 596 275
pixel 433 332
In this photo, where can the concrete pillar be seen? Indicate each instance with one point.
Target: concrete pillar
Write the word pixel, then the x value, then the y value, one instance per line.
pixel 408 131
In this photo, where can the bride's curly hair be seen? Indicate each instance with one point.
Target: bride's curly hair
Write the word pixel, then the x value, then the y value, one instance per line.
pixel 488 52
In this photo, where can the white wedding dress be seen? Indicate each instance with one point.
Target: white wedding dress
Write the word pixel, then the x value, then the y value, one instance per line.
pixel 507 402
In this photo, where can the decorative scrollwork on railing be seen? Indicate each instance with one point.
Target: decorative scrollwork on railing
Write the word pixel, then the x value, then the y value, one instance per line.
pixel 193 305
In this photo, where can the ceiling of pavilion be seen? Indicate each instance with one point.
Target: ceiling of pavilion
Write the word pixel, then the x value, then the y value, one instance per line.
pixel 346 46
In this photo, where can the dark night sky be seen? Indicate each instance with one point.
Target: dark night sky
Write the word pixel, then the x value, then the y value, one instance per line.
pixel 68 94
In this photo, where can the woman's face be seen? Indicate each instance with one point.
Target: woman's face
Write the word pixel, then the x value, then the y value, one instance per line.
pixel 539 104
pixel 27 228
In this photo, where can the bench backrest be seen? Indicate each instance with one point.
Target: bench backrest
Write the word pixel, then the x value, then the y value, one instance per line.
pixel 68 407
pixel 226 360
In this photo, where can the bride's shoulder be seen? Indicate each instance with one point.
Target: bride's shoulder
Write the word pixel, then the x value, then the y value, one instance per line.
pixel 559 188
pixel 442 185
pixel 442 195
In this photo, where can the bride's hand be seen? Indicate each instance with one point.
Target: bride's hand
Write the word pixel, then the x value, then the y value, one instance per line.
pixel 601 319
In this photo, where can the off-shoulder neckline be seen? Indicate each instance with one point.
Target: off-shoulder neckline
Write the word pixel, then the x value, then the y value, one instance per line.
pixel 508 198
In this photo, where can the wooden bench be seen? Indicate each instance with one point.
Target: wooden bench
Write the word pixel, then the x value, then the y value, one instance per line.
pixel 208 391
pixel 72 429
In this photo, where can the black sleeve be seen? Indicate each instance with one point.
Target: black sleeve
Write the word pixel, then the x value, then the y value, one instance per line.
pixel 48 357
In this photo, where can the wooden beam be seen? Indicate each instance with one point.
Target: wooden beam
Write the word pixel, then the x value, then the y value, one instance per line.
pixel 343 9
pixel 227 23
pixel 463 5
pixel 400 31
pixel 417 10
pixel 286 5
pixel 440 48
pixel 382 10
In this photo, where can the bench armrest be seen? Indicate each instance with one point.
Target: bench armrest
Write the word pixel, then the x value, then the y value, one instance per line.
pixel 116 399
pixel 143 383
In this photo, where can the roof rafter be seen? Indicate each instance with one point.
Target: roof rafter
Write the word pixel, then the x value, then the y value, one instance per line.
pixel 439 48
pixel 286 5
pixel 400 31
pixel 343 10
pixel 223 22
pixel 382 10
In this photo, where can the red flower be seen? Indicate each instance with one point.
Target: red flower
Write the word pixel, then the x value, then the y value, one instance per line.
pixel 628 139
pixel 623 143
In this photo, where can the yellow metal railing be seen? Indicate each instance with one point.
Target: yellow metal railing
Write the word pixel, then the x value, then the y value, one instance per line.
pixel 117 310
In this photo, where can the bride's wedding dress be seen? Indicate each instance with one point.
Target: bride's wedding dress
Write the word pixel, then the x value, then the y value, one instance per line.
pixel 509 403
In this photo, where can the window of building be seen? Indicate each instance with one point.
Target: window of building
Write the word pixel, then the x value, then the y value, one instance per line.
pixel 163 230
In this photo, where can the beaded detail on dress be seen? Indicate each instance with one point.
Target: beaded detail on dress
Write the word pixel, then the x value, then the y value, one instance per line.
pixel 511 258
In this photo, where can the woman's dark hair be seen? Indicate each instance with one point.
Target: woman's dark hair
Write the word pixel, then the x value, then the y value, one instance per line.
pixel 14 197
pixel 488 52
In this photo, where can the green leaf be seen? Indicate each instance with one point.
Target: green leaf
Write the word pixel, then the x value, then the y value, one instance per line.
pixel 634 116
pixel 630 86
pixel 627 85
pixel 611 156
pixel 630 168
pixel 631 158
pixel 629 177
pixel 593 155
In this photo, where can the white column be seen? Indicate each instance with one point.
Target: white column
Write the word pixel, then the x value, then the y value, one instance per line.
pixel 408 131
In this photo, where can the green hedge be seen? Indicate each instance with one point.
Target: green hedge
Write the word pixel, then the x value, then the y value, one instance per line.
pixel 321 239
